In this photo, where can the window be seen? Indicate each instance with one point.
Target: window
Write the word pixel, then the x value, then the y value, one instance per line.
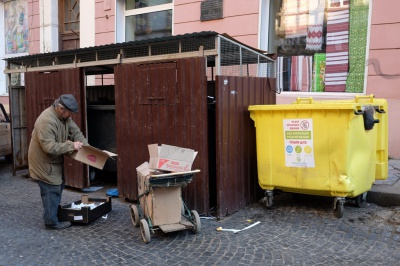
pixel 321 45
pixel 146 19
pixel 69 24
pixel 71 16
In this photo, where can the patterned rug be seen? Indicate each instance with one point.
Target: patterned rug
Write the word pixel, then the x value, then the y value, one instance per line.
pixel 315 25
pixel 337 49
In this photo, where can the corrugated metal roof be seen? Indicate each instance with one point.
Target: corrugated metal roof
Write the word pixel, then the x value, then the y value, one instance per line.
pixel 101 59
pixel 116 46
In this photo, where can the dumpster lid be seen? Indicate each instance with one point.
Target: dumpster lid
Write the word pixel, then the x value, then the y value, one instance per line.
pixel 310 104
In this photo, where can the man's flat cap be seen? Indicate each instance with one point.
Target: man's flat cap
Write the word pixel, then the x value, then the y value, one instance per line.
pixel 69 102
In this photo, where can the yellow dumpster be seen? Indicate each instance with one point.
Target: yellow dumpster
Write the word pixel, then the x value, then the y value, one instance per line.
pixel 325 148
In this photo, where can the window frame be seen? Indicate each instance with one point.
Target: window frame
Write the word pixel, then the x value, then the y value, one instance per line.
pixel 63 20
pixel 68 39
pixel 150 9
pixel 147 10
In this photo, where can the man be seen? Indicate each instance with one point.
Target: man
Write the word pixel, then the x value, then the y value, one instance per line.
pixel 54 134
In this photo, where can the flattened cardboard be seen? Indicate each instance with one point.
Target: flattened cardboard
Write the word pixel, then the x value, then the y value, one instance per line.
pixel 171 158
pixel 92 156
pixel 166 205
pixel 162 205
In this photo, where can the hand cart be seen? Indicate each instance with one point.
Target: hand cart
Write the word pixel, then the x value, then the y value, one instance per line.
pixel 160 205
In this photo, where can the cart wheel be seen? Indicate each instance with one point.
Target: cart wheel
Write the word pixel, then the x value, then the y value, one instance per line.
pixel 339 209
pixel 196 222
pixel 135 215
pixel 361 200
pixel 145 231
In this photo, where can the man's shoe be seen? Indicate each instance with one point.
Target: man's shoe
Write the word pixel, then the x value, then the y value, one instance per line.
pixel 58 226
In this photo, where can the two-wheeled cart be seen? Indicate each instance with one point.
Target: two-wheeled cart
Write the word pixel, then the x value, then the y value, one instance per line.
pixel 160 205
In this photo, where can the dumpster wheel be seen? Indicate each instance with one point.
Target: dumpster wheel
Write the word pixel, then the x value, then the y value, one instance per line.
pixel 270 201
pixel 338 207
pixel 145 231
pixel 361 200
pixel 269 196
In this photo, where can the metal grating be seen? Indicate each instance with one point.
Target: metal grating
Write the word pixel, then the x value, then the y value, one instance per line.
pixel 136 51
pixel 191 45
pixel 165 48
pixel 67 59
pixel 266 67
pixel 249 57
pixel 234 58
pixel 30 63
pixel 46 61
pixel 86 57
pixel 108 54
pixel 239 60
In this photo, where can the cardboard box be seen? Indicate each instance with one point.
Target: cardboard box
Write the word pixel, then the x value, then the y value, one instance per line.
pixel 85 214
pixel 161 205
pixel 92 156
pixel 171 158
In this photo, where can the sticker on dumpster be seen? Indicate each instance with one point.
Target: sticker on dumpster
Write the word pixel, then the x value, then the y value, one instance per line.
pixel 299 148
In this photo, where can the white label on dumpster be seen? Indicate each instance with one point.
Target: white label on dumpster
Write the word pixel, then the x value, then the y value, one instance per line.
pixel 299 148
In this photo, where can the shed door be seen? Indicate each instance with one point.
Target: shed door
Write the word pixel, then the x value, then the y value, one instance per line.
pixel 158 85
pixel 41 89
pixel 164 103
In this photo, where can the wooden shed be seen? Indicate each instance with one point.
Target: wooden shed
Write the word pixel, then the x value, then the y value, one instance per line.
pixel 190 90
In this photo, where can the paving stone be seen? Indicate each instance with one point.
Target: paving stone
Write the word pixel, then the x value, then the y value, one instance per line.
pixel 300 231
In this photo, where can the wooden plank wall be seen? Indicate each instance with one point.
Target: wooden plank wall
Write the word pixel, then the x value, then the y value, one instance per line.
pixel 163 103
pixel 236 158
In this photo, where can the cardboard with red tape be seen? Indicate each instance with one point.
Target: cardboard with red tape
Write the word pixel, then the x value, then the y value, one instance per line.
pixel 92 156
pixel 171 158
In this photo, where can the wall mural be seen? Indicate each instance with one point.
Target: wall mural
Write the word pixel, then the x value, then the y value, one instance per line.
pixel 16 27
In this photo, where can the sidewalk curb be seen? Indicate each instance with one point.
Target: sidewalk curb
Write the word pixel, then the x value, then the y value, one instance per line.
pixel 386 193
pixel 383 198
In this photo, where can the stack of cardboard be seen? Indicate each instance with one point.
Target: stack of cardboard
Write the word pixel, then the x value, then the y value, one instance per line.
pixel 171 158
pixel 163 205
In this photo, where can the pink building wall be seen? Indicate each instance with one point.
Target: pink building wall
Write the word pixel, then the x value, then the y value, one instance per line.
pixel 34 26
pixel 104 22
pixel 240 20
pixel 384 53
pixel 4 100
pixel 104 31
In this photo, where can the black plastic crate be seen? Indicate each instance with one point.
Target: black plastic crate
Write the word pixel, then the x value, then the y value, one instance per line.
pixel 85 214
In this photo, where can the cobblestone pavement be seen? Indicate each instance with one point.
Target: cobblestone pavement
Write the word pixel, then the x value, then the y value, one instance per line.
pixel 295 232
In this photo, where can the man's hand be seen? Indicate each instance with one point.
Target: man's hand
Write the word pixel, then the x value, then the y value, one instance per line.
pixel 77 145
